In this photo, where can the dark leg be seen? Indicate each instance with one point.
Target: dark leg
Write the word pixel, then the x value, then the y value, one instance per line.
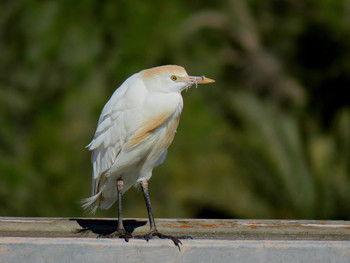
pixel 144 187
pixel 121 233
pixel 154 231
pixel 120 195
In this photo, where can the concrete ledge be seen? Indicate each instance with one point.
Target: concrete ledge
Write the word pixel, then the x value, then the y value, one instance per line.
pixel 74 240
pixel 20 249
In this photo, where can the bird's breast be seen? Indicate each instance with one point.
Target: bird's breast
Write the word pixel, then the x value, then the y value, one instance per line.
pixel 159 127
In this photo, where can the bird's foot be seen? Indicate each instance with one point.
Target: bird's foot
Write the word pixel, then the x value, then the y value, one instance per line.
pixel 155 233
pixel 120 233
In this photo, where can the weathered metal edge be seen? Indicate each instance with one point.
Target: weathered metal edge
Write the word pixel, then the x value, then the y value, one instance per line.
pixel 226 229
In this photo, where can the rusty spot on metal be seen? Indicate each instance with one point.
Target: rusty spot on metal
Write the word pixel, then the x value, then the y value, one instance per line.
pixel 271 226
pixel 183 225
pixel 210 225
pixel 186 226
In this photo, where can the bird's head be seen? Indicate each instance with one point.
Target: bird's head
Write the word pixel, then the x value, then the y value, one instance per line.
pixel 170 78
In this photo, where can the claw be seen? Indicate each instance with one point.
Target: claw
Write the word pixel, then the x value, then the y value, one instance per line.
pixel 176 240
pixel 121 233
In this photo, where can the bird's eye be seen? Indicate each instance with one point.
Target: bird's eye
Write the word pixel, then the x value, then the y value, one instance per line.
pixel 173 77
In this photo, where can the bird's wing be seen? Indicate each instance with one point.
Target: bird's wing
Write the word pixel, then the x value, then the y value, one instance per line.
pixel 110 135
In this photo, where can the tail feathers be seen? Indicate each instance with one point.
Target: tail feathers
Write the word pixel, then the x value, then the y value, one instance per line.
pixel 91 204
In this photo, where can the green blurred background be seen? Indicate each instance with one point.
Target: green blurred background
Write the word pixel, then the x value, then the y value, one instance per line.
pixel 270 139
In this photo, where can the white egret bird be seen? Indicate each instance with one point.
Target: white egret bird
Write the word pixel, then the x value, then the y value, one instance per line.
pixel 134 131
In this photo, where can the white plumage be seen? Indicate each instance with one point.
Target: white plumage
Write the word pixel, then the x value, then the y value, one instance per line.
pixel 135 129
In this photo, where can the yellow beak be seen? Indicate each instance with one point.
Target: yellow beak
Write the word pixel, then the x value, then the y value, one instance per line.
pixel 198 80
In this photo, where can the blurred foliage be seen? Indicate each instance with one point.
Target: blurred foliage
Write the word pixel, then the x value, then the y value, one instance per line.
pixel 270 139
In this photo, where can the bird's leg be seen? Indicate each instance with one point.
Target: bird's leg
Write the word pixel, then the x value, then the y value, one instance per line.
pixel 120 185
pixel 121 232
pixel 144 187
pixel 154 231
